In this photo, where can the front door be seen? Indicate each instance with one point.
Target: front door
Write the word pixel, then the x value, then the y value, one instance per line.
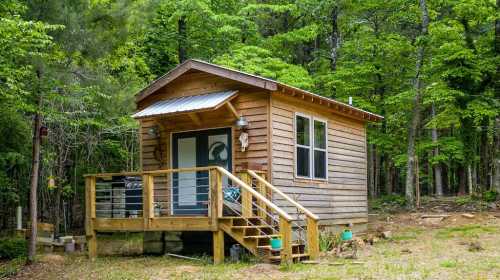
pixel 197 149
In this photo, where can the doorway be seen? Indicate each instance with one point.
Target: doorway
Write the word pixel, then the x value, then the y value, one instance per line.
pixel 190 190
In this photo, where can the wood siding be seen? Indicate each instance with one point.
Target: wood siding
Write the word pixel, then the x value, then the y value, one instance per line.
pixel 343 197
pixel 252 103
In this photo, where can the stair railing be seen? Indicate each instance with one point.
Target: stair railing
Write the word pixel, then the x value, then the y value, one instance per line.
pixel 248 193
pixel 311 220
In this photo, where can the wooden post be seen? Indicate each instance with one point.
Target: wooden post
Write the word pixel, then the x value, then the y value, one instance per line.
pixel 147 199
pixel 261 209
pixel 90 215
pixel 216 200
pixel 312 238
pixel 286 240
pixel 218 246
pixel 246 197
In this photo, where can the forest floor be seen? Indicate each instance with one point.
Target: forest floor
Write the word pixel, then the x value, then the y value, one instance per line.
pixel 453 247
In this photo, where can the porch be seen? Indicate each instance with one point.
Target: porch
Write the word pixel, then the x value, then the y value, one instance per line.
pixel 202 199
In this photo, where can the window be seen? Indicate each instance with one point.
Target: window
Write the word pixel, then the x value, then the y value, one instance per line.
pixel 310 141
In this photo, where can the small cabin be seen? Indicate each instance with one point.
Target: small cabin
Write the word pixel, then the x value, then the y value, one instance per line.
pixel 240 156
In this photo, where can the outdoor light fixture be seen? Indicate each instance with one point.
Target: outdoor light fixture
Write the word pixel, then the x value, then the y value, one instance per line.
pixel 153 131
pixel 241 123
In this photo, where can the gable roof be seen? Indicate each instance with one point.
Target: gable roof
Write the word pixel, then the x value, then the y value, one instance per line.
pixel 254 80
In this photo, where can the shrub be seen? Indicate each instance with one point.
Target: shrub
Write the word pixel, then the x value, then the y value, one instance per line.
pixel 490 196
pixel 464 200
pixel 11 248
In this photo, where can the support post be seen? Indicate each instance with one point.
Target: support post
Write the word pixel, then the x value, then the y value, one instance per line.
pixel 286 240
pixel 246 197
pixel 312 238
pixel 90 216
pixel 147 199
pixel 261 210
pixel 216 200
pixel 218 246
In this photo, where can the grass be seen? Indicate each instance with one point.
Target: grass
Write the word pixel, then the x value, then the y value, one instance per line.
pixel 466 231
pixel 413 253
pixel 10 268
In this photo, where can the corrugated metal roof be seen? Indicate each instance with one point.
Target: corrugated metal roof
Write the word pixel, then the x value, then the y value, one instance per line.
pixel 185 104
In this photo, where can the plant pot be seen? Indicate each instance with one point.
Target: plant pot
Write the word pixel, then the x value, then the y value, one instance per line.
pixel 346 235
pixel 276 244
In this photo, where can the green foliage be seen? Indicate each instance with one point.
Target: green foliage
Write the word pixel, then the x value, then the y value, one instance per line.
pixel 490 196
pixel 464 231
pixel 11 248
pixel 328 241
pixel 388 202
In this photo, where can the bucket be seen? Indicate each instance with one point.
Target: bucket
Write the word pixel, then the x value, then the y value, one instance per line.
pixel 346 235
pixel 276 244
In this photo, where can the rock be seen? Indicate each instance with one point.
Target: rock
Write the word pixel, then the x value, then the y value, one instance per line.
pixel 467 215
pixel 475 246
pixel 406 250
pixel 433 221
pixel 386 234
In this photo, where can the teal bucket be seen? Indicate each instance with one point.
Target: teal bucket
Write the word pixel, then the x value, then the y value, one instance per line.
pixel 276 244
pixel 346 235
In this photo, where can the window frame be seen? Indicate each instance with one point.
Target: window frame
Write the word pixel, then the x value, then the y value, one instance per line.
pixel 324 121
pixel 311 146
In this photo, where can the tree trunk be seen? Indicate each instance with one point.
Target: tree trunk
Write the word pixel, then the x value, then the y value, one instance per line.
pixel 388 176
pixel 377 171
pixel 182 39
pixel 461 180
pixel 437 167
pixel 35 165
pixel 415 122
pixel 371 171
pixel 496 160
pixel 334 38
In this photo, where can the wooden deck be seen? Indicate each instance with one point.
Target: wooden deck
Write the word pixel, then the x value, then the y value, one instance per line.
pixel 251 218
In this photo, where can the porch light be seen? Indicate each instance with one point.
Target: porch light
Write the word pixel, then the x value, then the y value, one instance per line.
pixel 153 131
pixel 241 123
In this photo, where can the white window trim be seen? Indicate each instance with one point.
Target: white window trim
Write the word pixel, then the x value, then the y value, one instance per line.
pixel 311 147
pixel 320 149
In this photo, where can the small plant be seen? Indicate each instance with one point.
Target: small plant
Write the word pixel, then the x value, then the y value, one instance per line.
pixel 448 263
pixel 490 196
pixel 464 200
pixel 328 241
pixel 11 248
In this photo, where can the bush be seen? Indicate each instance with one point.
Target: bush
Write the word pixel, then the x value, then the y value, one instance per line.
pixel 464 200
pixel 11 248
pixel 490 196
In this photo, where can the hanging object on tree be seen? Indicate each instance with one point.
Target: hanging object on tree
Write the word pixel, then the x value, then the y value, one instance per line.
pixel 44 131
pixel 52 183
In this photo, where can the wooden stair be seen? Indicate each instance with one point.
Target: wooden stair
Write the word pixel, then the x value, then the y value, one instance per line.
pixel 253 234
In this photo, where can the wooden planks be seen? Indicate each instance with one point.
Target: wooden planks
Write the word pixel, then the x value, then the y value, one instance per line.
pixel 343 195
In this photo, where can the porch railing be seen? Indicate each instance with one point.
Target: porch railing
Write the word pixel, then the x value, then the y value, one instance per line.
pixel 142 201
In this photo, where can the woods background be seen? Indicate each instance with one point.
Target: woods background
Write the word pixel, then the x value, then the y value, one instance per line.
pixel 434 74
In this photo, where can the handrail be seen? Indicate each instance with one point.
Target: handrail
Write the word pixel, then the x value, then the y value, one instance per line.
pixel 256 194
pixel 289 199
pixel 152 172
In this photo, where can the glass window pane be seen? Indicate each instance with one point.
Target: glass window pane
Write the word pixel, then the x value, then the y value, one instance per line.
pixel 319 135
pixel 303 162
pixel 319 164
pixel 302 127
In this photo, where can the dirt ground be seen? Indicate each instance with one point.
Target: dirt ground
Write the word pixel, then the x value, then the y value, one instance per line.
pixel 451 247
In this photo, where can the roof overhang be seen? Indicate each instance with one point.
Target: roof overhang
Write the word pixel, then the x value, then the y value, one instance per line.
pixel 217 70
pixel 257 81
pixel 187 104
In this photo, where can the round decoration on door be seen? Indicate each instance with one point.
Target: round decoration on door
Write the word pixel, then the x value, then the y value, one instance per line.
pixel 218 154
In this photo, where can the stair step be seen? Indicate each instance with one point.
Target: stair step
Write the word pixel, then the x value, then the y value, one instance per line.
pixel 268 247
pixel 294 256
pixel 261 236
pixel 256 226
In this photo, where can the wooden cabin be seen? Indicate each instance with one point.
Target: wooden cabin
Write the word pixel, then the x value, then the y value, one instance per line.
pixel 238 155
